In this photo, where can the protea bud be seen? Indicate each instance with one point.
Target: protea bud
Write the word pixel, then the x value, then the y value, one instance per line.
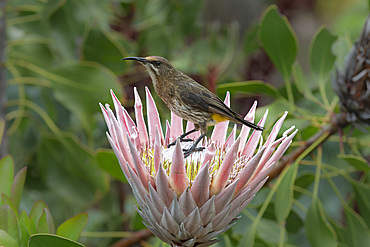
pixel 352 85
pixel 188 202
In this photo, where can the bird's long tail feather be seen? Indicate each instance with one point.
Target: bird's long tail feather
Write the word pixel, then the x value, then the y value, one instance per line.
pixel 249 124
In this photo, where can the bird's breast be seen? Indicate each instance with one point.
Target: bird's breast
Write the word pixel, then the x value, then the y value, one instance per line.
pixel 165 90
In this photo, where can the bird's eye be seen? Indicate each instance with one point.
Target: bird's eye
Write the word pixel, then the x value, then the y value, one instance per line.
pixel 157 63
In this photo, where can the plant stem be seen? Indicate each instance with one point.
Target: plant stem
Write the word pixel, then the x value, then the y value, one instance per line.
pixel 288 85
pixel 136 238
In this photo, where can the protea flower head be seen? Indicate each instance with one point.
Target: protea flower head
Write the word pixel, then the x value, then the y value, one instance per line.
pixel 352 85
pixel 188 202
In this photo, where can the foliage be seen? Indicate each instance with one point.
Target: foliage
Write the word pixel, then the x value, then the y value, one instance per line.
pixel 17 228
pixel 63 56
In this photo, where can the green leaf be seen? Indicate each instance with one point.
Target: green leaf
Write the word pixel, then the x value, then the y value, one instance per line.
pixel 300 80
pixel 35 214
pixel 277 108
pixel 46 223
pixel 35 53
pixel 278 40
pixel 109 54
pixel 319 232
pixel 248 237
pixel 17 187
pixel 284 194
pixel 80 86
pixel 303 181
pixel 6 175
pixel 362 192
pixel 294 223
pixel 6 240
pixel 249 87
pixel 252 40
pixel 356 161
pixel 341 48
pixel 47 240
pixel 8 201
pixel 51 7
pixel 321 57
pixel 8 221
pixel 358 231
pixel 268 230
pixel 68 24
pixel 24 229
pixel 108 162
pixel 342 234
pixel 74 176
pixel 73 227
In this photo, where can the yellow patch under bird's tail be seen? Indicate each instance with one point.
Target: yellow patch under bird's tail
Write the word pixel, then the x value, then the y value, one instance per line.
pixel 219 118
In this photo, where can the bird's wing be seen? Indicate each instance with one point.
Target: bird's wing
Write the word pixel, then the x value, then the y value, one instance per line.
pixel 198 97
pixel 201 98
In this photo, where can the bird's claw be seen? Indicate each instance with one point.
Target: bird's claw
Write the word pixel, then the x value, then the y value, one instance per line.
pixel 191 150
pixel 181 140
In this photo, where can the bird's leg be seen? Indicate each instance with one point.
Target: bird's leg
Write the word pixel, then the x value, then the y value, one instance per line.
pixel 194 148
pixel 181 138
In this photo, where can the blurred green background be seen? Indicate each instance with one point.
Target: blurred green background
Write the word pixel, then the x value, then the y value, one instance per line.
pixel 63 56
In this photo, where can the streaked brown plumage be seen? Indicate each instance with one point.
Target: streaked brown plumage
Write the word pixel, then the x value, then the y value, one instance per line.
pixel 187 98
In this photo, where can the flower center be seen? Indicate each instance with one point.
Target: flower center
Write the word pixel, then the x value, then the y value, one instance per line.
pixel 193 163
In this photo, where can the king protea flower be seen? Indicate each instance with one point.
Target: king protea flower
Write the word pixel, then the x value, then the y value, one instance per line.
pixel 188 202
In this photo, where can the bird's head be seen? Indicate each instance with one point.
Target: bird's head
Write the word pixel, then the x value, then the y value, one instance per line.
pixel 158 67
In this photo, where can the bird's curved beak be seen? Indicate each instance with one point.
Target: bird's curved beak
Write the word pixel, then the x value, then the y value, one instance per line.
pixel 139 59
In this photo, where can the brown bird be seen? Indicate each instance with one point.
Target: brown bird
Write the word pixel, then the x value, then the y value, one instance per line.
pixel 188 99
